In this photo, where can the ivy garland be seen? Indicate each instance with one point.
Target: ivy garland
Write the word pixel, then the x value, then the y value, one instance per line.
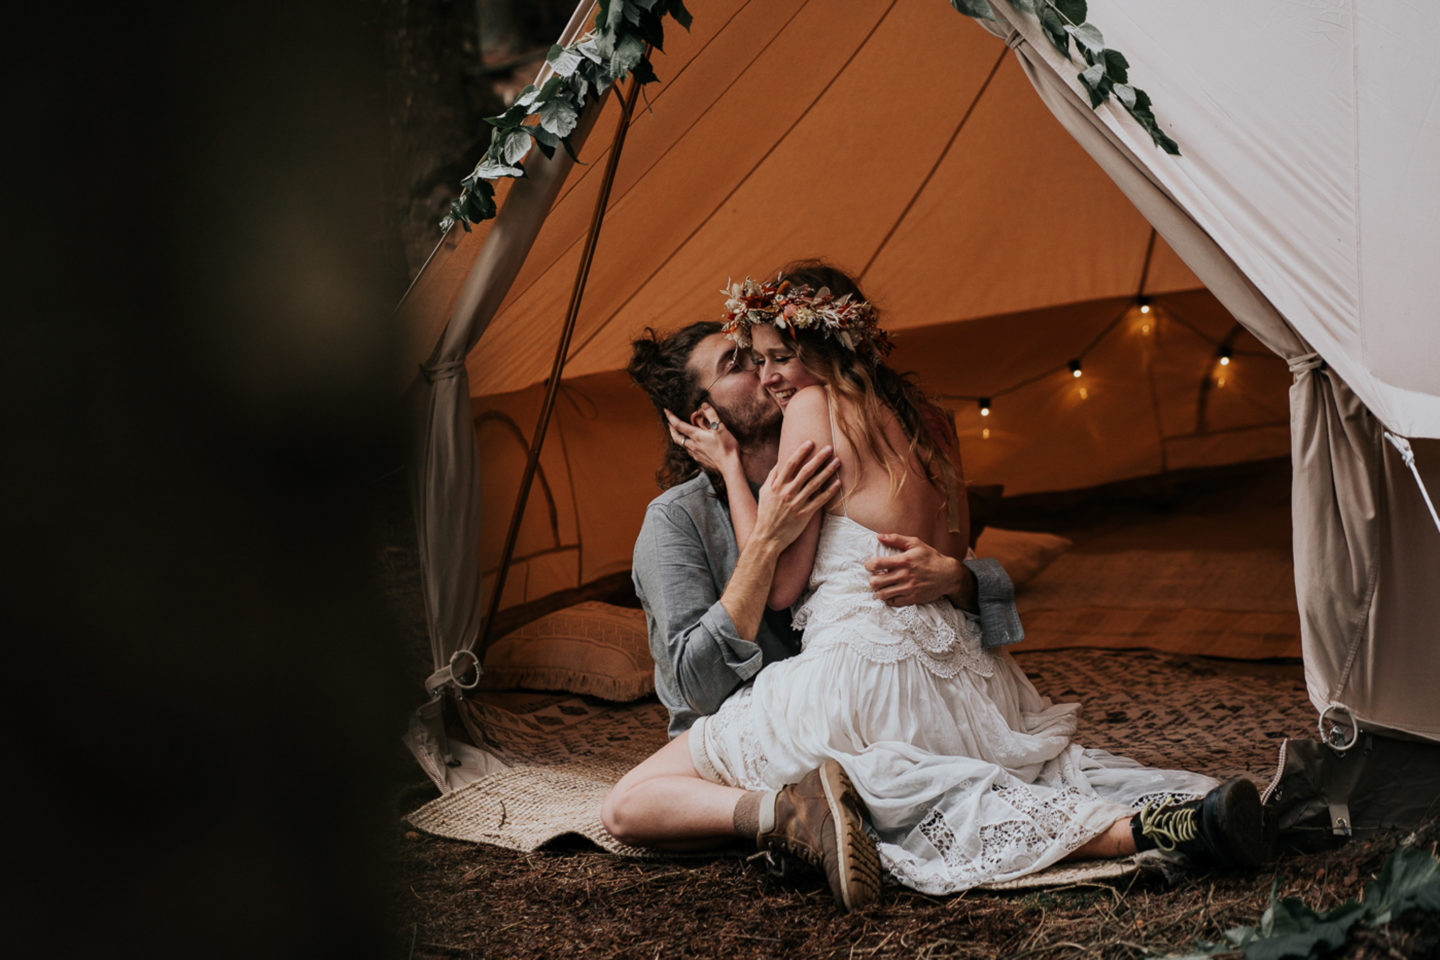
pixel 619 44
pixel 1106 71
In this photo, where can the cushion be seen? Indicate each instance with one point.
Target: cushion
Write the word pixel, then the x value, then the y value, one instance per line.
pixel 1022 554
pixel 591 648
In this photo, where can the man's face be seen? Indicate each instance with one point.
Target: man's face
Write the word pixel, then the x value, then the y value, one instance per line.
pixel 733 388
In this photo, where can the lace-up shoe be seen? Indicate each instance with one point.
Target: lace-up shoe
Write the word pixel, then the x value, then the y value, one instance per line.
pixel 1222 828
pixel 819 820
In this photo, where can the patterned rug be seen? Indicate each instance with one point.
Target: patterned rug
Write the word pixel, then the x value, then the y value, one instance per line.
pixel 1216 717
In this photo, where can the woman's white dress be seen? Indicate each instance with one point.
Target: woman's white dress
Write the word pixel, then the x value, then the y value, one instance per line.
pixel 968 772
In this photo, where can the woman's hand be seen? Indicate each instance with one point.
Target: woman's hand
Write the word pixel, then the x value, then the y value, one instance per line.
pixel 794 491
pixel 712 446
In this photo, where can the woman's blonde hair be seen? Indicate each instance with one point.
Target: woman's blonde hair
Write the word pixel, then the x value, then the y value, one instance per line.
pixel 871 387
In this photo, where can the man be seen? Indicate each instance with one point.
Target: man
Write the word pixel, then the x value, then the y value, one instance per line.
pixel 705 601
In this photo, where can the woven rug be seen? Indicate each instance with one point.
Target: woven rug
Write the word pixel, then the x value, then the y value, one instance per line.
pixel 1216 717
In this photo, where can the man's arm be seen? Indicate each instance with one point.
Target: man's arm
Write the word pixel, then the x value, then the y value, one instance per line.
pixel 704 645
pixel 922 574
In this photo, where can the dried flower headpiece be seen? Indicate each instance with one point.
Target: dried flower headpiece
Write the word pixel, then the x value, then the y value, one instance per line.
pixel 852 323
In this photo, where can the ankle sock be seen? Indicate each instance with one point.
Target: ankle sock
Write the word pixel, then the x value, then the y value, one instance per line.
pixel 755 814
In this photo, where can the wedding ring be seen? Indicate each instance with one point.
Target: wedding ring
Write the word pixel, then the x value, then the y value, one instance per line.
pixel 684 440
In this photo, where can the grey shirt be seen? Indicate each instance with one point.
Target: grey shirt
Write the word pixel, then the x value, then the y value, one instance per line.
pixel 683 560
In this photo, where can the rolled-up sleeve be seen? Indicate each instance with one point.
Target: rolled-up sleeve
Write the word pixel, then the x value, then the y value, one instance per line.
pixel 700 658
pixel 995 595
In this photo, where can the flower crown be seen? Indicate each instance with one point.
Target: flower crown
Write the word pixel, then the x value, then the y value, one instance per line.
pixel 852 323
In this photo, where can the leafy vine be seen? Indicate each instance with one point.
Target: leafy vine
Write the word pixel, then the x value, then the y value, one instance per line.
pixel 618 44
pixel 1106 70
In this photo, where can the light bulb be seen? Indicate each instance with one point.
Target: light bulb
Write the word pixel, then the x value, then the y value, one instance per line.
pixel 1075 368
pixel 984 406
pixel 1224 361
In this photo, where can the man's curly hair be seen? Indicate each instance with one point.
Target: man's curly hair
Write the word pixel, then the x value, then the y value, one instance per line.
pixel 660 366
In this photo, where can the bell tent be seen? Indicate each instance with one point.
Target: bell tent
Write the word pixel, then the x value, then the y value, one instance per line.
pixel 1092 307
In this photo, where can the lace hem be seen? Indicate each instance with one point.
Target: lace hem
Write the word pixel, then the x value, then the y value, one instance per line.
pixel 1047 825
pixel 935 635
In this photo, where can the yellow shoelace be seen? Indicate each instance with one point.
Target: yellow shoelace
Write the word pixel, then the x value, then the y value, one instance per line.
pixel 1168 826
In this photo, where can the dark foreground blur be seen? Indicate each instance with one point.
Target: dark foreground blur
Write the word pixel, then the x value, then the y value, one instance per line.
pixel 203 696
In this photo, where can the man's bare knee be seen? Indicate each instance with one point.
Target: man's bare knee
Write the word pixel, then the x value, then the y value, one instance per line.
pixel 612 814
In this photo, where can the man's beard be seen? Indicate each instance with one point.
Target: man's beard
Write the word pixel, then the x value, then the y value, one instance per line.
pixel 754 425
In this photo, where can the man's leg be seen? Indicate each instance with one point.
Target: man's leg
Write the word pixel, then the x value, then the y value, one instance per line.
pixel 664 803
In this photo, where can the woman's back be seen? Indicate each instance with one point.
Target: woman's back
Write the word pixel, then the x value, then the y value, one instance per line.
pixel 908 504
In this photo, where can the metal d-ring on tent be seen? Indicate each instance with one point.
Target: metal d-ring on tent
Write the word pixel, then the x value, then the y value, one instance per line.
pixel 1305 201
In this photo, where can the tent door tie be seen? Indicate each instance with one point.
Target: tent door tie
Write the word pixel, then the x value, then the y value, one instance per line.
pixel 1408 455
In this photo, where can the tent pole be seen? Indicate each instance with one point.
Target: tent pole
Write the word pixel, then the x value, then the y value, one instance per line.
pixel 552 386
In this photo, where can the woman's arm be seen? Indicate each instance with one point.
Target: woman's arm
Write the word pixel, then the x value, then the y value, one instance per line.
pixel 807 419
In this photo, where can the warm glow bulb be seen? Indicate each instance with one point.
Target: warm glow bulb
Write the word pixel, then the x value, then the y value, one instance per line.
pixel 1077 374
pixel 1224 361
pixel 1075 368
pixel 984 406
pixel 984 411
pixel 1144 308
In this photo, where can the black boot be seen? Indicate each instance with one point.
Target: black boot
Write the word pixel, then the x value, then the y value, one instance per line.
pixel 1222 828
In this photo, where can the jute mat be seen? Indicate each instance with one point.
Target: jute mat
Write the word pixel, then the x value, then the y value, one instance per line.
pixel 1215 717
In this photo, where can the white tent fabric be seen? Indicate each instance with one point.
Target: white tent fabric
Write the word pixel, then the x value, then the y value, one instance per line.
pixel 904 142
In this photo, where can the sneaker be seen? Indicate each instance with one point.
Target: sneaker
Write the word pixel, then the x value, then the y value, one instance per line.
pixel 1222 828
pixel 820 821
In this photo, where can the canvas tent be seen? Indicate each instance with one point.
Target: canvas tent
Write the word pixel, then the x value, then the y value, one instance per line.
pixel 1007 230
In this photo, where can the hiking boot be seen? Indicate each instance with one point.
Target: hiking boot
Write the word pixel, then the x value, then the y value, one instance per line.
pixel 819 820
pixel 1222 828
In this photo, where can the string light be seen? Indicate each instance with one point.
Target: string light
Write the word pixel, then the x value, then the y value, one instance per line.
pixel 1144 305
pixel 1224 356
pixel 984 406
pixel 1075 368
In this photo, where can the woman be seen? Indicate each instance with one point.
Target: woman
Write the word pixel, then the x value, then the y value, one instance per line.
pixel 967 773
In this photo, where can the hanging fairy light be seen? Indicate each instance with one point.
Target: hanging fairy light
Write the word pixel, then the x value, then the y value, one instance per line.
pixel 1075 368
pixel 984 406
pixel 1225 355
pixel 1144 305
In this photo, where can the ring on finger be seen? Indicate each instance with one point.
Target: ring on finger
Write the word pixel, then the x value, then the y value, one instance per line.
pixel 714 424
pixel 684 440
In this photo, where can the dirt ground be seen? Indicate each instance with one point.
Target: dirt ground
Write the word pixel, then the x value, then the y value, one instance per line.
pixel 455 899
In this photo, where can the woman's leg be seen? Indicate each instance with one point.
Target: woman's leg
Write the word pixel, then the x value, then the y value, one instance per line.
pixel 666 804
pixel 1118 841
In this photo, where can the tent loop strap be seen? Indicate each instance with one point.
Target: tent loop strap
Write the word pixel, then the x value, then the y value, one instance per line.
pixel 449 676
pixel 446 370
pixel 1335 735
pixel 1305 363
pixel 1408 455
pixel 1014 39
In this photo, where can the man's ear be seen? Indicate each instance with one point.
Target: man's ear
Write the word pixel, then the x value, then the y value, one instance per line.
pixel 700 418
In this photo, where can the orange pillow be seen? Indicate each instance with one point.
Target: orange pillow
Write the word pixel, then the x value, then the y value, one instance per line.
pixel 1022 554
pixel 591 648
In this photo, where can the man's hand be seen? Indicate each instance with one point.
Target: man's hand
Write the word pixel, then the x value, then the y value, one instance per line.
pixel 921 574
pixel 794 491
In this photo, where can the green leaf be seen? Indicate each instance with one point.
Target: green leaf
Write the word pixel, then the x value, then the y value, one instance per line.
pixel 1088 38
pixel 513 148
pixel 490 170
pixel 1072 11
pixel 1054 28
pixel 1117 66
pixel 1092 75
pixel 559 117
pixel 563 60
pixel 629 48
pixel 676 9
pixel 1125 94
pixel 1410 879
pixel 1024 6
pixel 979 9
pixel 653 31
pixel 644 71
pixel 589 49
